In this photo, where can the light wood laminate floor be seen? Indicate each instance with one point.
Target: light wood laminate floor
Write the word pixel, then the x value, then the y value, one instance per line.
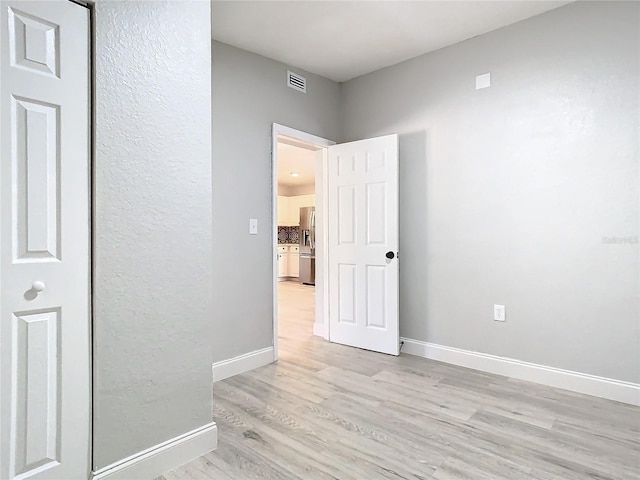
pixel 327 411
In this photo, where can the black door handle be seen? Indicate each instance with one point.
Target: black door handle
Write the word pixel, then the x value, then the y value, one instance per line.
pixel 390 255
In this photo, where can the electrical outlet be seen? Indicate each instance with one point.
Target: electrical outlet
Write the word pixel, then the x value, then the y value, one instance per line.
pixel 499 313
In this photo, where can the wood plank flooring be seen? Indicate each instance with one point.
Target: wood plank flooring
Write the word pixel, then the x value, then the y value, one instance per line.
pixel 327 411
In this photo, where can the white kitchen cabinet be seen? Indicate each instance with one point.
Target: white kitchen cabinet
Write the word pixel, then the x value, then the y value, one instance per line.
pixel 304 200
pixel 293 215
pixel 283 261
pixel 289 210
pixel 283 210
pixel 296 203
pixel 288 261
pixel 293 262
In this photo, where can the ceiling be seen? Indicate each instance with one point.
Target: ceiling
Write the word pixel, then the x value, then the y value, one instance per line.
pixel 341 40
pixel 296 159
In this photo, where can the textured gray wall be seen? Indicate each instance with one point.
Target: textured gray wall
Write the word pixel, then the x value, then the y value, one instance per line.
pixel 509 195
pixel 249 95
pixel 152 250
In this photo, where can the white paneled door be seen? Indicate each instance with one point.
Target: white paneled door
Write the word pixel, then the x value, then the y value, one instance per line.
pixel 363 244
pixel 44 240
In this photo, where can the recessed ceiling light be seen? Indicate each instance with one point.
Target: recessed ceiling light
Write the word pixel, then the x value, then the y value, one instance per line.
pixel 295 174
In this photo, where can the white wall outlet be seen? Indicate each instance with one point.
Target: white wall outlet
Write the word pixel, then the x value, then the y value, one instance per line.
pixel 253 226
pixel 483 81
pixel 499 314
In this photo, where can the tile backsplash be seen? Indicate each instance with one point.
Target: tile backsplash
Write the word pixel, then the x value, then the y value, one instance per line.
pixel 288 234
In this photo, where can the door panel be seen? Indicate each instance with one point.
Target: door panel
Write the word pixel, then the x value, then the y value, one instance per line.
pixel 36 165
pixel 44 240
pixel 347 293
pixel 37 365
pixel 34 42
pixel 363 227
pixel 376 293
pixel 346 212
pixel 376 215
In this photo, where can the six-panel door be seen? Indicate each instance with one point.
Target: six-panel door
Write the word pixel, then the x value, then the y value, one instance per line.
pixel 44 240
pixel 363 229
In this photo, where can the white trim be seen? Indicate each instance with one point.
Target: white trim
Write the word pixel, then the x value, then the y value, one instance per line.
pixel 608 388
pixel 318 329
pixel 155 461
pixel 299 135
pixel 242 363
pixel 310 139
pixel 274 234
pixel 322 296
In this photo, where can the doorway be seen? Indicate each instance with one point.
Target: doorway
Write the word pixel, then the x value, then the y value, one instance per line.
pixel 298 235
pixel 356 190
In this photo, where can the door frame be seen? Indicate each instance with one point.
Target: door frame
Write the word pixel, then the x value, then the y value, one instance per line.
pixel 322 268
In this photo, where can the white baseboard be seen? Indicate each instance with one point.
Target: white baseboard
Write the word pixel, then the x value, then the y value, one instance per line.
pixel 155 461
pixel 608 388
pixel 242 363
pixel 318 329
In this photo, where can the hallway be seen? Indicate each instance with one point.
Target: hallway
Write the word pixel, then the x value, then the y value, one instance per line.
pixel 296 312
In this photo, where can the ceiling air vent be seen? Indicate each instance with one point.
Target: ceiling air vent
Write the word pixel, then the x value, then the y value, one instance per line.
pixel 296 82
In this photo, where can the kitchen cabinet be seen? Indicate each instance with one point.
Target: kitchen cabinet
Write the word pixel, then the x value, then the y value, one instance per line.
pixel 288 261
pixel 283 210
pixel 287 213
pixel 297 202
pixel 293 262
pixel 289 208
pixel 283 261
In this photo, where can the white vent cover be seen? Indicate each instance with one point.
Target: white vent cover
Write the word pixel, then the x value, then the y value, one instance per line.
pixel 297 82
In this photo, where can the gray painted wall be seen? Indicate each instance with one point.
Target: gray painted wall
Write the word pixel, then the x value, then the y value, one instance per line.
pixel 152 232
pixel 249 95
pixel 508 195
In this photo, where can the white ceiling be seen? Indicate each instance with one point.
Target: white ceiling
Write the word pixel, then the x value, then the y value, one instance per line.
pixel 295 159
pixel 342 40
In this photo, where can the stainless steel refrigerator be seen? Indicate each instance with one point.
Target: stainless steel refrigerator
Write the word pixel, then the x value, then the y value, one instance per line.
pixel 308 245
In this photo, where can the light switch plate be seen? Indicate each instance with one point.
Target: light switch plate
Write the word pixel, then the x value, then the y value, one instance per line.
pixel 499 313
pixel 253 226
pixel 483 81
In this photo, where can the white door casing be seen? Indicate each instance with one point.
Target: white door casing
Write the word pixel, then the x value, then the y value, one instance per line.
pixel 44 240
pixel 278 133
pixel 363 229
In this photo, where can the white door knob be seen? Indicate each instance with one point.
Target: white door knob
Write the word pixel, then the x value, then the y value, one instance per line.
pixel 38 286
